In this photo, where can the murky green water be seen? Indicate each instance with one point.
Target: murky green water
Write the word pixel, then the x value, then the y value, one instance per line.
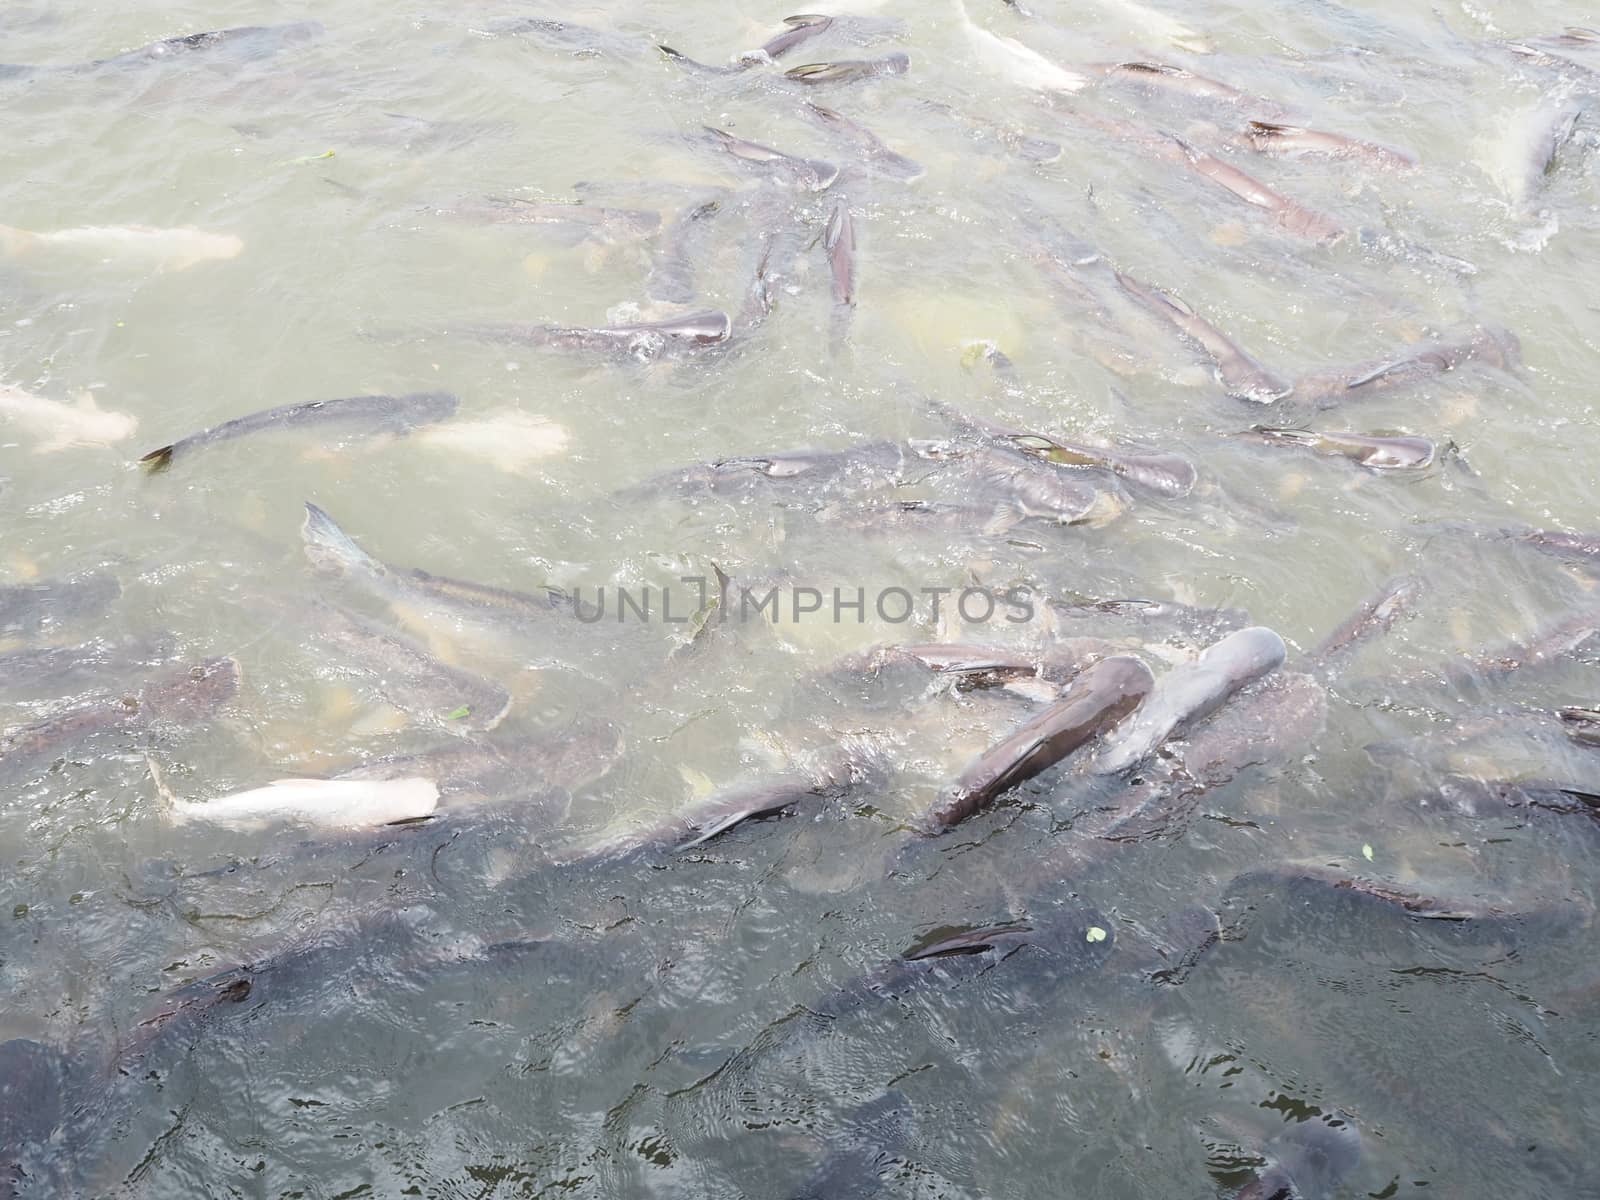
pixel 470 1007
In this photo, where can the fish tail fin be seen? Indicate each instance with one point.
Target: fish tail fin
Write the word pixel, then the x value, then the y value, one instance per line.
pixel 14 241
pixel 330 548
pixel 157 460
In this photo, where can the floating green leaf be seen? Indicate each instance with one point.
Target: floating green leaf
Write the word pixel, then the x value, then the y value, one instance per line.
pixel 460 714
pixel 1096 934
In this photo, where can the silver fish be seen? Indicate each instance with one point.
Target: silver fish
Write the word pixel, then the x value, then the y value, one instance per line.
pixel 370 414
pixel 1191 692
pixel 642 341
pixel 1240 375
pixel 1487 344
pixel 1375 452
pixel 811 174
pixel 1307 1161
pixel 30 609
pixel 672 272
pixel 880 160
pixel 1293 141
pixel 1290 215
pixel 840 243
pixel 1395 600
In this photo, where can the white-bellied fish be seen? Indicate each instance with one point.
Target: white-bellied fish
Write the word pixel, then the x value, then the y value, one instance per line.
pixel 176 249
pixel 59 426
pixel 1295 141
pixel 323 803
pixel 1376 452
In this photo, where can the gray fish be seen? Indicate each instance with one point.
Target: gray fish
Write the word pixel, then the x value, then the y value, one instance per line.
pixel 1423 906
pixel 981 666
pixel 1579 547
pixel 1272 722
pixel 1293 141
pixel 840 242
pixel 1548 129
pixel 245 41
pixel 1554 641
pixel 879 159
pixel 1308 1161
pixel 611 223
pixel 1185 82
pixel 820 474
pixel 862 1152
pixel 1582 725
pixel 1394 600
pixel 1488 344
pixel 1031 487
pixel 70 666
pixel 33 1085
pixel 410 678
pixel 850 70
pixel 507 768
pixel 671 278
pixel 813 175
pixel 1240 375
pixel 644 341
pixel 1025 146
pixel 31 609
pixel 1169 475
pixel 799 29
pixel 182 696
pixel 1191 692
pixel 1375 452
pixel 369 414
pixel 332 551
pixel 1291 216
pixel 579 40
pixel 1094 702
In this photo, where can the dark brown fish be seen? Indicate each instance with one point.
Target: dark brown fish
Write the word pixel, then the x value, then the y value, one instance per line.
pixel 1293 141
pixel 1374 451
pixel 850 70
pixel 1092 703
pixel 1487 344
pixel 1240 375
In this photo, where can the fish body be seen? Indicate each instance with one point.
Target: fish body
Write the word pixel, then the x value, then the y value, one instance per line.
pixel 331 550
pixel 644 341
pixel 510 440
pixel 1536 141
pixel 58 426
pixel 862 1152
pixel 1293 217
pixel 840 242
pixel 174 248
pixel 1293 141
pixel 612 224
pixel 1176 79
pixel 810 174
pixel 798 29
pixel 30 609
pixel 672 272
pixel 1019 63
pixel 1169 475
pixel 374 414
pixel 879 158
pixel 1094 702
pixel 247 40
pixel 325 803
pixel 1307 1161
pixel 1486 344
pixel 1396 599
pixel 1240 375
pixel 504 769
pixel 1376 453
pixel 849 70
pixel 1189 693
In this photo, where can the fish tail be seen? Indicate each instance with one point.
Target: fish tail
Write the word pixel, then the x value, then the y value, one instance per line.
pixel 330 548
pixel 14 241
pixel 158 460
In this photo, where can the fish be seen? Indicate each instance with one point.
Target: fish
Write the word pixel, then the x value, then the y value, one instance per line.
pixel 1536 142
pixel 1554 641
pixel 70 666
pixel 1156 23
pixel 798 29
pixel 840 243
pixel 609 223
pixel 1017 62
pixel 973 667
pixel 1191 692
pixel 880 160
pixel 860 1155
pixel 368 414
pixel 1578 547
pixel 1176 79
pixel 868 466
pixel 1487 344
pixel 407 676
pixel 1169 475
pixel 671 278
pixel 33 1087
pixel 30 609
pixel 324 803
pixel 1310 1160
pixel 643 341
pixel 581 41
pixel 1092 703
pixel 332 551
pixel 1290 215
pixel 247 41
pixel 1395 599
pixel 184 695
pixel 60 426
pixel 1582 725
pixel 505 768
pixel 1397 452
pixel 810 174
pixel 1240 376
pixel 510 440
pixel 177 249
pixel 1294 141
pixel 849 70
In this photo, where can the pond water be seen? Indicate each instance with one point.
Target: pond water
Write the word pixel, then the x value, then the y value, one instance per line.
pixel 1058 220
